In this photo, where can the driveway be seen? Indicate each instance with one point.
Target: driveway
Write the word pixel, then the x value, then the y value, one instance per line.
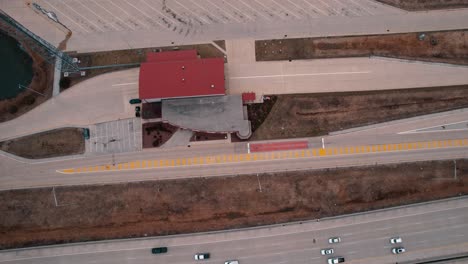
pixel 244 74
pixel 96 100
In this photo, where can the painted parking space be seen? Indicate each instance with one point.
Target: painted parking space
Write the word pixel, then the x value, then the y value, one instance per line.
pixel 265 156
pixel 115 136
pixel 186 17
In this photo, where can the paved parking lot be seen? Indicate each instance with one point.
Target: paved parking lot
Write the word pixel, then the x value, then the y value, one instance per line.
pixel 99 25
pixel 116 136
pixel 185 16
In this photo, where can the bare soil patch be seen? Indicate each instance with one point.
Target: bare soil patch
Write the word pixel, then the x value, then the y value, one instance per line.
pixel 84 213
pixel 130 56
pixel 157 133
pixel 202 136
pixel 42 81
pixel 443 46
pixel 53 143
pixel 308 115
pixel 420 5
pixel 257 113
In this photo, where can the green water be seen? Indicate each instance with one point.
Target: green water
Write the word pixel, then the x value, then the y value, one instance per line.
pixel 15 67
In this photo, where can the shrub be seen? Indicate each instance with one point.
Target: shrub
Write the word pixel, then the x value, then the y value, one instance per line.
pixel 12 109
pixel 29 99
pixel 65 82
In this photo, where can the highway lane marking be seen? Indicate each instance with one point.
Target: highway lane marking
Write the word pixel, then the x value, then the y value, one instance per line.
pixel 384 228
pixel 422 130
pixel 259 156
pixel 299 74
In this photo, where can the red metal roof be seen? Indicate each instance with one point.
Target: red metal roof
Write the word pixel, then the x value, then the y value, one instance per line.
pixel 181 78
pixel 178 55
pixel 248 96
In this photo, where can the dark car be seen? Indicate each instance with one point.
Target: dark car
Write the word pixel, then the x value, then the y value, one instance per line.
pixel 398 250
pixel 159 250
pixel 135 101
pixel 86 133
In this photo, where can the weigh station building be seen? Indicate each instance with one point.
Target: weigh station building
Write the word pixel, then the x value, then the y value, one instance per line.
pixel 192 93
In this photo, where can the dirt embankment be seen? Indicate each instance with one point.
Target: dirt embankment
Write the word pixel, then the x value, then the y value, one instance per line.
pixel 420 5
pixel 308 115
pixel 443 46
pixel 83 213
pixel 53 143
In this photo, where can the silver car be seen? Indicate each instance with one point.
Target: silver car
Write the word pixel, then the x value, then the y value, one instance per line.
pixel 231 262
pixel 334 240
pixel 396 240
pixel 327 251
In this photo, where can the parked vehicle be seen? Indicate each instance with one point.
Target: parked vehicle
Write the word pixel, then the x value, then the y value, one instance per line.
pixel 395 240
pixel 327 251
pixel 336 260
pixel 398 250
pixel 135 101
pixel 334 240
pixel 202 256
pixel 86 133
pixel 159 250
pixel 231 262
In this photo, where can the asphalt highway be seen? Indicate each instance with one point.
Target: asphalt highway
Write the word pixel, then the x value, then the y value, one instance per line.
pixel 427 230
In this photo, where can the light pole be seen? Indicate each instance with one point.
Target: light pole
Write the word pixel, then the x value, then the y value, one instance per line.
pixel 105 144
pixel 20 86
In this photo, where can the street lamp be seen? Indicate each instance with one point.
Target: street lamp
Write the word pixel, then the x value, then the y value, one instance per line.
pixel 25 87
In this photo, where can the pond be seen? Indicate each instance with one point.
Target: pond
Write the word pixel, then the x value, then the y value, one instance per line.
pixel 15 67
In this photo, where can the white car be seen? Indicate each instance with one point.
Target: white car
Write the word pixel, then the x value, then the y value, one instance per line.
pixel 398 250
pixel 327 251
pixel 202 256
pixel 336 260
pixel 333 240
pixel 231 262
pixel 395 240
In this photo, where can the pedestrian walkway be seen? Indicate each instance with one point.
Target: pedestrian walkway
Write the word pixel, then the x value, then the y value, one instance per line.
pixel 180 138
